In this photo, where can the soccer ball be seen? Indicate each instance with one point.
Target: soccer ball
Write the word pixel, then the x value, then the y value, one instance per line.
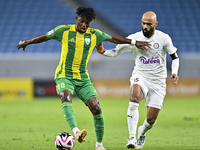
pixel 64 141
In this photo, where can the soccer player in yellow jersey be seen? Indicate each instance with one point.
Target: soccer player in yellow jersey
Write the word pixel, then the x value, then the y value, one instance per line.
pixel 78 42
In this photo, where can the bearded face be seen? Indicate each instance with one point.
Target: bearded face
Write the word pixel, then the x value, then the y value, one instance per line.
pixel 147 33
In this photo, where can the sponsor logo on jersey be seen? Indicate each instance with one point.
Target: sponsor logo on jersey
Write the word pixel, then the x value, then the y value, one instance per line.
pixel 156 45
pixel 87 41
pixel 152 60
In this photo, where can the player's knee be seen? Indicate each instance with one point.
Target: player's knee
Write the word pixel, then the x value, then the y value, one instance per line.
pixel 134 99
pixel 65 96
pixel 151 120
pixel 94 106
pixel 96 110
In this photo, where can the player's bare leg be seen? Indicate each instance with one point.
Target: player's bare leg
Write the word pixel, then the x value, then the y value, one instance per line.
pixel 152 114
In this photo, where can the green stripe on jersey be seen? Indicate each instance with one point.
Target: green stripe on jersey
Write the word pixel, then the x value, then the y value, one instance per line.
pixel 70 54
pixel 86 49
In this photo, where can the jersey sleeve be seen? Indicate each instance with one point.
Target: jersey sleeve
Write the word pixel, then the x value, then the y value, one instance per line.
pixel 169 45
pixel 101 36
pixel 56 33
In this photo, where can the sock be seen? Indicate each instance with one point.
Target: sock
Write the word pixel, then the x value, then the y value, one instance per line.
pixel 75 130
pixel 146 126
pixel 99 144
pixel 99 127
pixel 69 114
pixel 132 118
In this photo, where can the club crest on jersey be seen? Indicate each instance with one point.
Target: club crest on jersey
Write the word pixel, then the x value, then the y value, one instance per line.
pixel 156 45
pixel 87 41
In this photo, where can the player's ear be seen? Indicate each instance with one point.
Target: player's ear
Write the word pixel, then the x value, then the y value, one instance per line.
pixel 76 18
pixel 156 23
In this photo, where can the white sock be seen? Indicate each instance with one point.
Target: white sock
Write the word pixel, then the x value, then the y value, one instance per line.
pixel 75 130
pixel 146 126
pixel 99 144
pixel 132 118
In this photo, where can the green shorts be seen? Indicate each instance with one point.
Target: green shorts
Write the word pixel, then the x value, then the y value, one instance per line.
pixel 84 88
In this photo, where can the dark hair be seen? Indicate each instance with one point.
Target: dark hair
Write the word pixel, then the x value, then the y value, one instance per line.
pixel 86 12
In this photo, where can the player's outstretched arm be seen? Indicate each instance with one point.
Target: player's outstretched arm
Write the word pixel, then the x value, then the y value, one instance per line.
pixel 34 40
pixel 120 40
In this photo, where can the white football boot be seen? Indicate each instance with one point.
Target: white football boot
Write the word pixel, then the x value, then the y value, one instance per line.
pixel 131 143
pixel 100 147
pixel 141 139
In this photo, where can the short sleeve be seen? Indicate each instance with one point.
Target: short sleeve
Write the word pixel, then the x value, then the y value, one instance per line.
pixel 51 34
pixel 101 36
pixel 57 33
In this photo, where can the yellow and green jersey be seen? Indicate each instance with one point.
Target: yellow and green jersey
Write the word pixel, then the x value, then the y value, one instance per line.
pixel 76 50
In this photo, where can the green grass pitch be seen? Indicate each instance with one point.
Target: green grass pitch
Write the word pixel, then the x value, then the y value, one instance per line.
pixel 33 125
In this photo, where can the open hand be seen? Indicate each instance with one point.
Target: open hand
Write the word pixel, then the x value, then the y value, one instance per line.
pixel 142 45
pixel 100 48
pixel 22 44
